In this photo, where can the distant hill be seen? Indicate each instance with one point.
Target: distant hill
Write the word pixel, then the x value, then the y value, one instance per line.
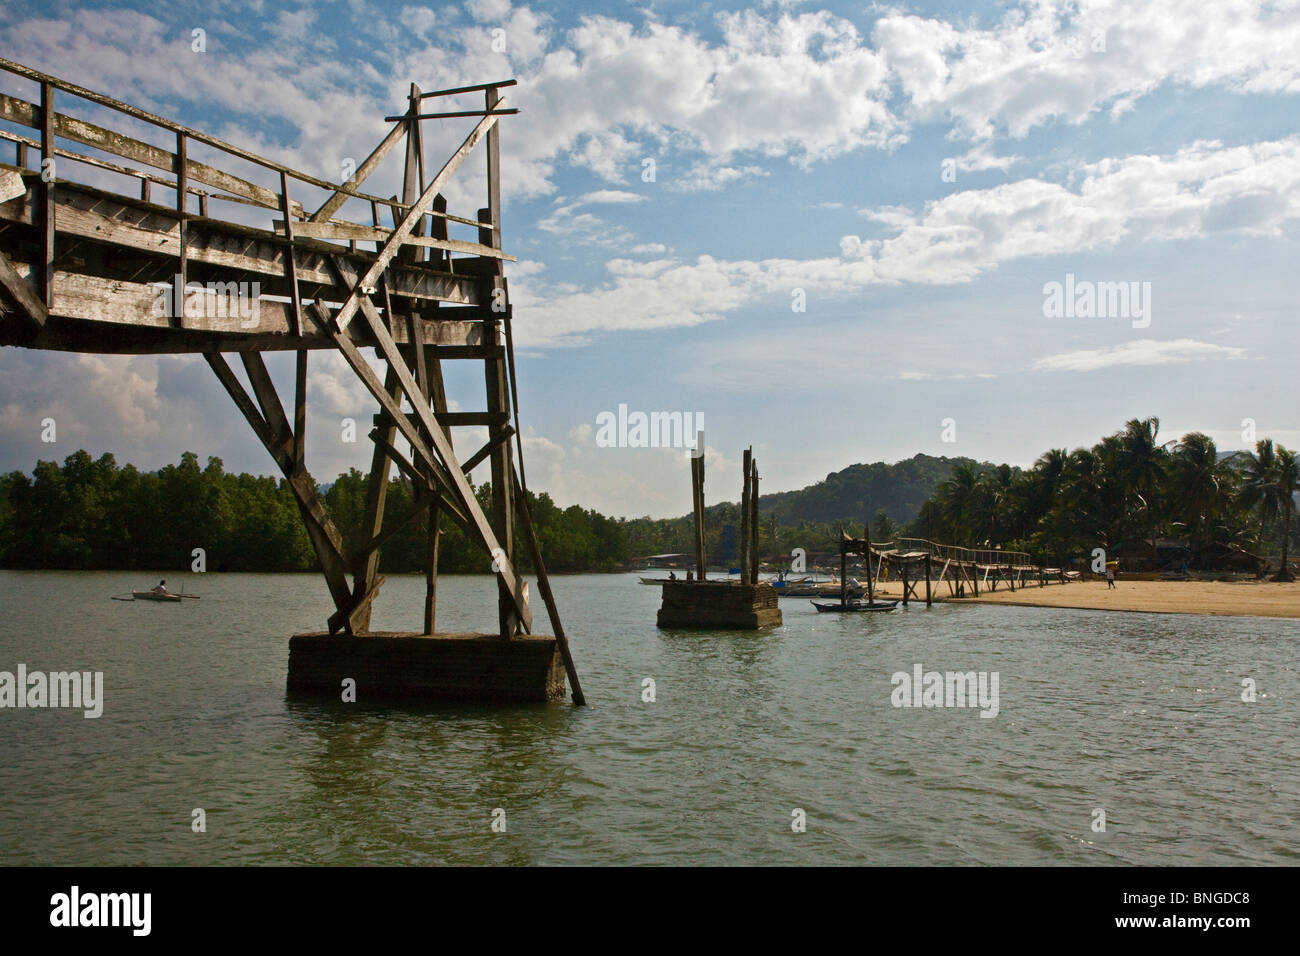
pixel 860 491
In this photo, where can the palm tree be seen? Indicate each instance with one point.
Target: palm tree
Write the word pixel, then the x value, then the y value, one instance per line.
pixel 1141 462
pixel 1286 482
pixel 1198 483
pixel 1258 484
pixel 957 501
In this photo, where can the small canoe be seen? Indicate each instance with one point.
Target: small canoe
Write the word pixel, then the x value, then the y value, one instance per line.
pixel 155 596
pixel 856 606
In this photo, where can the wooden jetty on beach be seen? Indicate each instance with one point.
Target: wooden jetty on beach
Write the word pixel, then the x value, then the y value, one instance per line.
pixel 155 249
pixel 918 562
pixel 747 604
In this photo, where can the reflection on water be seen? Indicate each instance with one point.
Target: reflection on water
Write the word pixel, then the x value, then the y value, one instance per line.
pixel 1140 715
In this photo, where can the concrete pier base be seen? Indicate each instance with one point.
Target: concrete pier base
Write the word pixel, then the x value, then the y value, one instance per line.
pixel 434 667
pixel 718 605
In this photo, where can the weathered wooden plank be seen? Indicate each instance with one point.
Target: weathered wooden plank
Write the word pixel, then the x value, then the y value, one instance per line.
pixel 356 619
pixel 472 418
pixel 458 483
pixel 544 585
pixel 269 401
pixel 355 232
pixel 214 315
pixel 481 455
pixel 367 558
pixel 23 293
pixel 371 163
pixel 11 184
pixel 154 230
pixel 408 223
pixel 88 134
pixel 48 216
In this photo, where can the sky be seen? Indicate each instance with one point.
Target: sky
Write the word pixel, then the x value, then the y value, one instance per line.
pixel 833 230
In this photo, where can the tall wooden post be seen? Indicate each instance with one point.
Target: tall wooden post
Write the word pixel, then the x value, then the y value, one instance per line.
pixel 866 537
pixel 753 523
pixel 744 520
pixel 48 166
pixel 927 580
pixel 844 570
pixel 494 305
pixel 905 563
pixel 697 504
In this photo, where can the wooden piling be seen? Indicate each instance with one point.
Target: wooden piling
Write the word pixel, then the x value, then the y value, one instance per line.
pixel 744 519
pixel 753 523
pixel 905 563
pixel 927 580
pixel 697 499
pixel 866 536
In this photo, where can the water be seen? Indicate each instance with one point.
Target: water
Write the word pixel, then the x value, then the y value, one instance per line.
pixel 1140 715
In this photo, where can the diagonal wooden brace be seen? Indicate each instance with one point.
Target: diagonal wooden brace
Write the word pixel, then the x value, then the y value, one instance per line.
pixel 457 485
pixel 413 216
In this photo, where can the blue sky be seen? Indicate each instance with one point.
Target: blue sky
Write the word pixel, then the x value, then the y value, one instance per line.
pixel 796 146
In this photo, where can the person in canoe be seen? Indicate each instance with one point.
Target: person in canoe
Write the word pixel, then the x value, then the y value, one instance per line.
pixel 161 588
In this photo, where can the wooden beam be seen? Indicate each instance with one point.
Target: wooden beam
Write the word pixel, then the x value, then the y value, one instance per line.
pixel 356 618
pixel 48 179
pixel 22 292
pixel 697 503
pixel 154 231
pixel 544 585
pixel 458 483
pixel 371 163
pixel 11 185
pixel 325 538
pixel 355 232
pixel 473 418
pixel 413 216
pixel 88 134
pixel 120 317
pixel 367 558
pixel 753 523
pixel 744 519
pixel 481 455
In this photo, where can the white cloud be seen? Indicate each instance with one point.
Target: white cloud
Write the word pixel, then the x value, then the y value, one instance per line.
pixel 1049 60
pixel 419 20
pixel 1142 352
pixel 1197 191
pixel 488 11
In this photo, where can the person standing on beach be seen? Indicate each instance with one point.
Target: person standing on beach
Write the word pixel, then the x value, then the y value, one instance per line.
pixel 1110 578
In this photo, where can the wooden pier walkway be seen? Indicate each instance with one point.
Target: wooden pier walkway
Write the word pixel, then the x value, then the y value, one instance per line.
pixel 149 237
pixel 917 562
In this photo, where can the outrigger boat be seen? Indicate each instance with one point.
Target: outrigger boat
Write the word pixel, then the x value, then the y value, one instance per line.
pixel 856 606
pixel 823 589
pixel 848 602
pixel 155 595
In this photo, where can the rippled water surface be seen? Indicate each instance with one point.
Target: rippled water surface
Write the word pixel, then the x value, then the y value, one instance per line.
pixel 1137 714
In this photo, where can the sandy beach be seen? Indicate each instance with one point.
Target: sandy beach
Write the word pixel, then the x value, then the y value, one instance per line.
pixel 1230 599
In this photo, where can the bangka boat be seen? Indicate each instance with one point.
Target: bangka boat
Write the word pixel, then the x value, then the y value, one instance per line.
pixel 155 596
pixel 855 606
pixel 823 589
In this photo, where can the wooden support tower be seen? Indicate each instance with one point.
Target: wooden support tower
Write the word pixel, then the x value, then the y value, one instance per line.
pixel 81 266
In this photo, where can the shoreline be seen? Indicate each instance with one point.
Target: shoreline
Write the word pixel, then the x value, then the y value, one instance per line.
pixel 1270 599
